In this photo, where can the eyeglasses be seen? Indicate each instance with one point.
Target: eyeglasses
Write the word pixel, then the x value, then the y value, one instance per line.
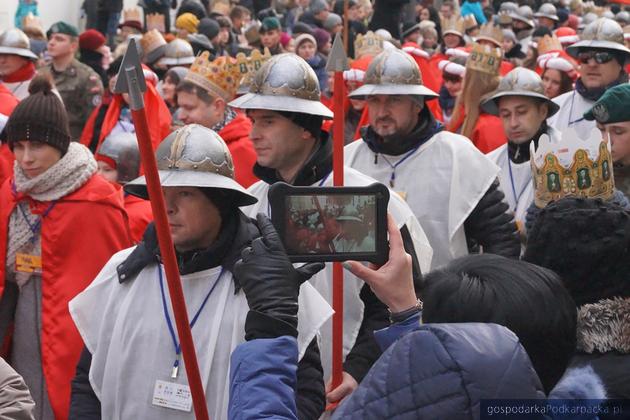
pixel 601 57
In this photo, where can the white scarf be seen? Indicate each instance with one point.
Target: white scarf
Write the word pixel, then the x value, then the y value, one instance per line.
pixel 64 177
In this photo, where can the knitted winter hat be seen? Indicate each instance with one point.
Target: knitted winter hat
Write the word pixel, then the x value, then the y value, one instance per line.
pixel 208 27
pixel 585 241
pixel 40 117
pixel 187 21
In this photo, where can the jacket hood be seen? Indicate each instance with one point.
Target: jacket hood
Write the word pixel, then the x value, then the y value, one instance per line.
pixel 604 326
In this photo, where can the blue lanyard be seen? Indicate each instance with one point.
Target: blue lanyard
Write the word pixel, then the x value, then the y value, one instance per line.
pixel 37 226
pixel 171 330
pixel 392 178
pixel 571 112
pixel 516 197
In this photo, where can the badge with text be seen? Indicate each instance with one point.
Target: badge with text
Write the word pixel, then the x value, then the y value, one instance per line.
pixel 172 395
pixel 26 263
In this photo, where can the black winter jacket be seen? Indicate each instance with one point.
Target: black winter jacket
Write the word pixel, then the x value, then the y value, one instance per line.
pixel 236 233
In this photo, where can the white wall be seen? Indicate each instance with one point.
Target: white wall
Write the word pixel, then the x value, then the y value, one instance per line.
pixel 50 12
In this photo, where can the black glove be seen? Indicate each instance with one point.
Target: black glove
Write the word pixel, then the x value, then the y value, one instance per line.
pixel 269 280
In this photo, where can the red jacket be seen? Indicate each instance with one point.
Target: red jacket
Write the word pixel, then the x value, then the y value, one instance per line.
pixel 78 237
pixel 488 133
pixel 140 215
pixel 236 136
pixel 8 101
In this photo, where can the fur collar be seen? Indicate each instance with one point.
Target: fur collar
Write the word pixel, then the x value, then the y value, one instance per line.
pixel 604 326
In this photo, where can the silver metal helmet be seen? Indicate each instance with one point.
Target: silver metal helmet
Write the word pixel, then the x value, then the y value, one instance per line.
pixel 14 41
pixel 392 72
pixel 194 156
pixel 524 14
pixel 603 33
pixel 548 11
pixel 284 83
pixel 122 148
pixel 519 82
pixel 177 53
pixel 508 6
pixel 587 19
pixel 623 18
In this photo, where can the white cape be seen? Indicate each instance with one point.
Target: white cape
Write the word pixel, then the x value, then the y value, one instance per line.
pixel 571 113
pixel 353 305
pixel 124 327
pixel 443 181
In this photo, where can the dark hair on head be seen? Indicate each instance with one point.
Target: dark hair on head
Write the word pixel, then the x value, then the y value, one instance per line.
pixel 190 87
pixel 529 300
pixel 42 82
pixel 238 12
pixel 566 83
pixel 434 16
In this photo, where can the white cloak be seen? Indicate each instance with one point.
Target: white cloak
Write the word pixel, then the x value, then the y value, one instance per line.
pixel 442 181
pixel 353 305
pixel 571 113
pixel 124 327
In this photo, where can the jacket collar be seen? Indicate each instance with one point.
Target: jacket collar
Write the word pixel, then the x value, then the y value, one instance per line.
pixel 317 167
pixel 604 326
pixel 519 153
pixel 237 232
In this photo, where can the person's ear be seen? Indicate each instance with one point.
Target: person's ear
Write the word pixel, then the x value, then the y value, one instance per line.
pixel 219 106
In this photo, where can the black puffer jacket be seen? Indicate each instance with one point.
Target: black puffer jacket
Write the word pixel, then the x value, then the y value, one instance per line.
pixel 236 233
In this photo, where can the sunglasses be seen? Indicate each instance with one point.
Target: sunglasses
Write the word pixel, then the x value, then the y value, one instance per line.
pixel 601 57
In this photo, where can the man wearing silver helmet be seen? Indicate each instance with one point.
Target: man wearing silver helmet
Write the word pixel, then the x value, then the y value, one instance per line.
pixel 451 187
pixel 124 316
pixel 523 25
pixel 17 62
pixel 118 160
pixel 602 56
pixel 521 104
pixel 286 113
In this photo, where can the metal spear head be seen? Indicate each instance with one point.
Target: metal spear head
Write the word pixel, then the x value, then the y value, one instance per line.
pixel 337 59
pixel 130 77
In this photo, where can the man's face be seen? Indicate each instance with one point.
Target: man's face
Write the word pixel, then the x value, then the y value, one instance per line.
pixel 596 75
pixel 278 142
pixel 193 110
pixel 619 140
pixel 546 22
pixel 519 25
pixel 61 45
pixel 270 38
pixel 451 40
pixel 392 114
pixel 446 11
pixel 10 63
pixel 194 220
pixel 521 117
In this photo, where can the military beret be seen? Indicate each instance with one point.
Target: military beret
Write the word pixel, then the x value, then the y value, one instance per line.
pixel 612 107
pixel 269 23
pixel 62 28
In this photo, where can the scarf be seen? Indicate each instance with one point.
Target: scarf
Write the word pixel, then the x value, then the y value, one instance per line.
pixel 447 102
pixel 27 72
pixel 396 145
pixel 596 93
pixel 64 177
pixel 228 116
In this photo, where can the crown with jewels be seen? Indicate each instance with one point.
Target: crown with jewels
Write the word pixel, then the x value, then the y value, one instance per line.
pixel 549 43
pixel 485 59
pixel 453 25
pixel 572 167
pixel 470 22
pixel 491 32
pixel 249 65
pixel 220 77
pixel 132 14
pixel 156 21
pixel 368 44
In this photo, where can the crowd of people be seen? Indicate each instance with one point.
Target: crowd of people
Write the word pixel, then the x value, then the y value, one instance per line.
pixel 500 128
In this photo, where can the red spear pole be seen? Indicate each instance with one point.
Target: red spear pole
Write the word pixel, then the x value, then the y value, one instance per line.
pixel 338 62
pixel 131 80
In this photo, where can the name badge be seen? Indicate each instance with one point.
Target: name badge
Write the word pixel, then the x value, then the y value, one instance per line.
pixel 26 263
pixel 172 395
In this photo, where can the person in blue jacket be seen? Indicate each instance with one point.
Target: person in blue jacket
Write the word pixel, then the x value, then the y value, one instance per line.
pixel 473 7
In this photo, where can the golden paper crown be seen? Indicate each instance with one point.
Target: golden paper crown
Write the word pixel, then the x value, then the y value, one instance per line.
pixel 132 14
pixel 454 24
pixel 549 43
pixel 368 44
pixel 490 32
pixel 485 59
pixel 32 21
pixel 248 66
pixel 151 40
pixel 220 77
pixel 572 167
pixel 470 22
pixel 156 21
